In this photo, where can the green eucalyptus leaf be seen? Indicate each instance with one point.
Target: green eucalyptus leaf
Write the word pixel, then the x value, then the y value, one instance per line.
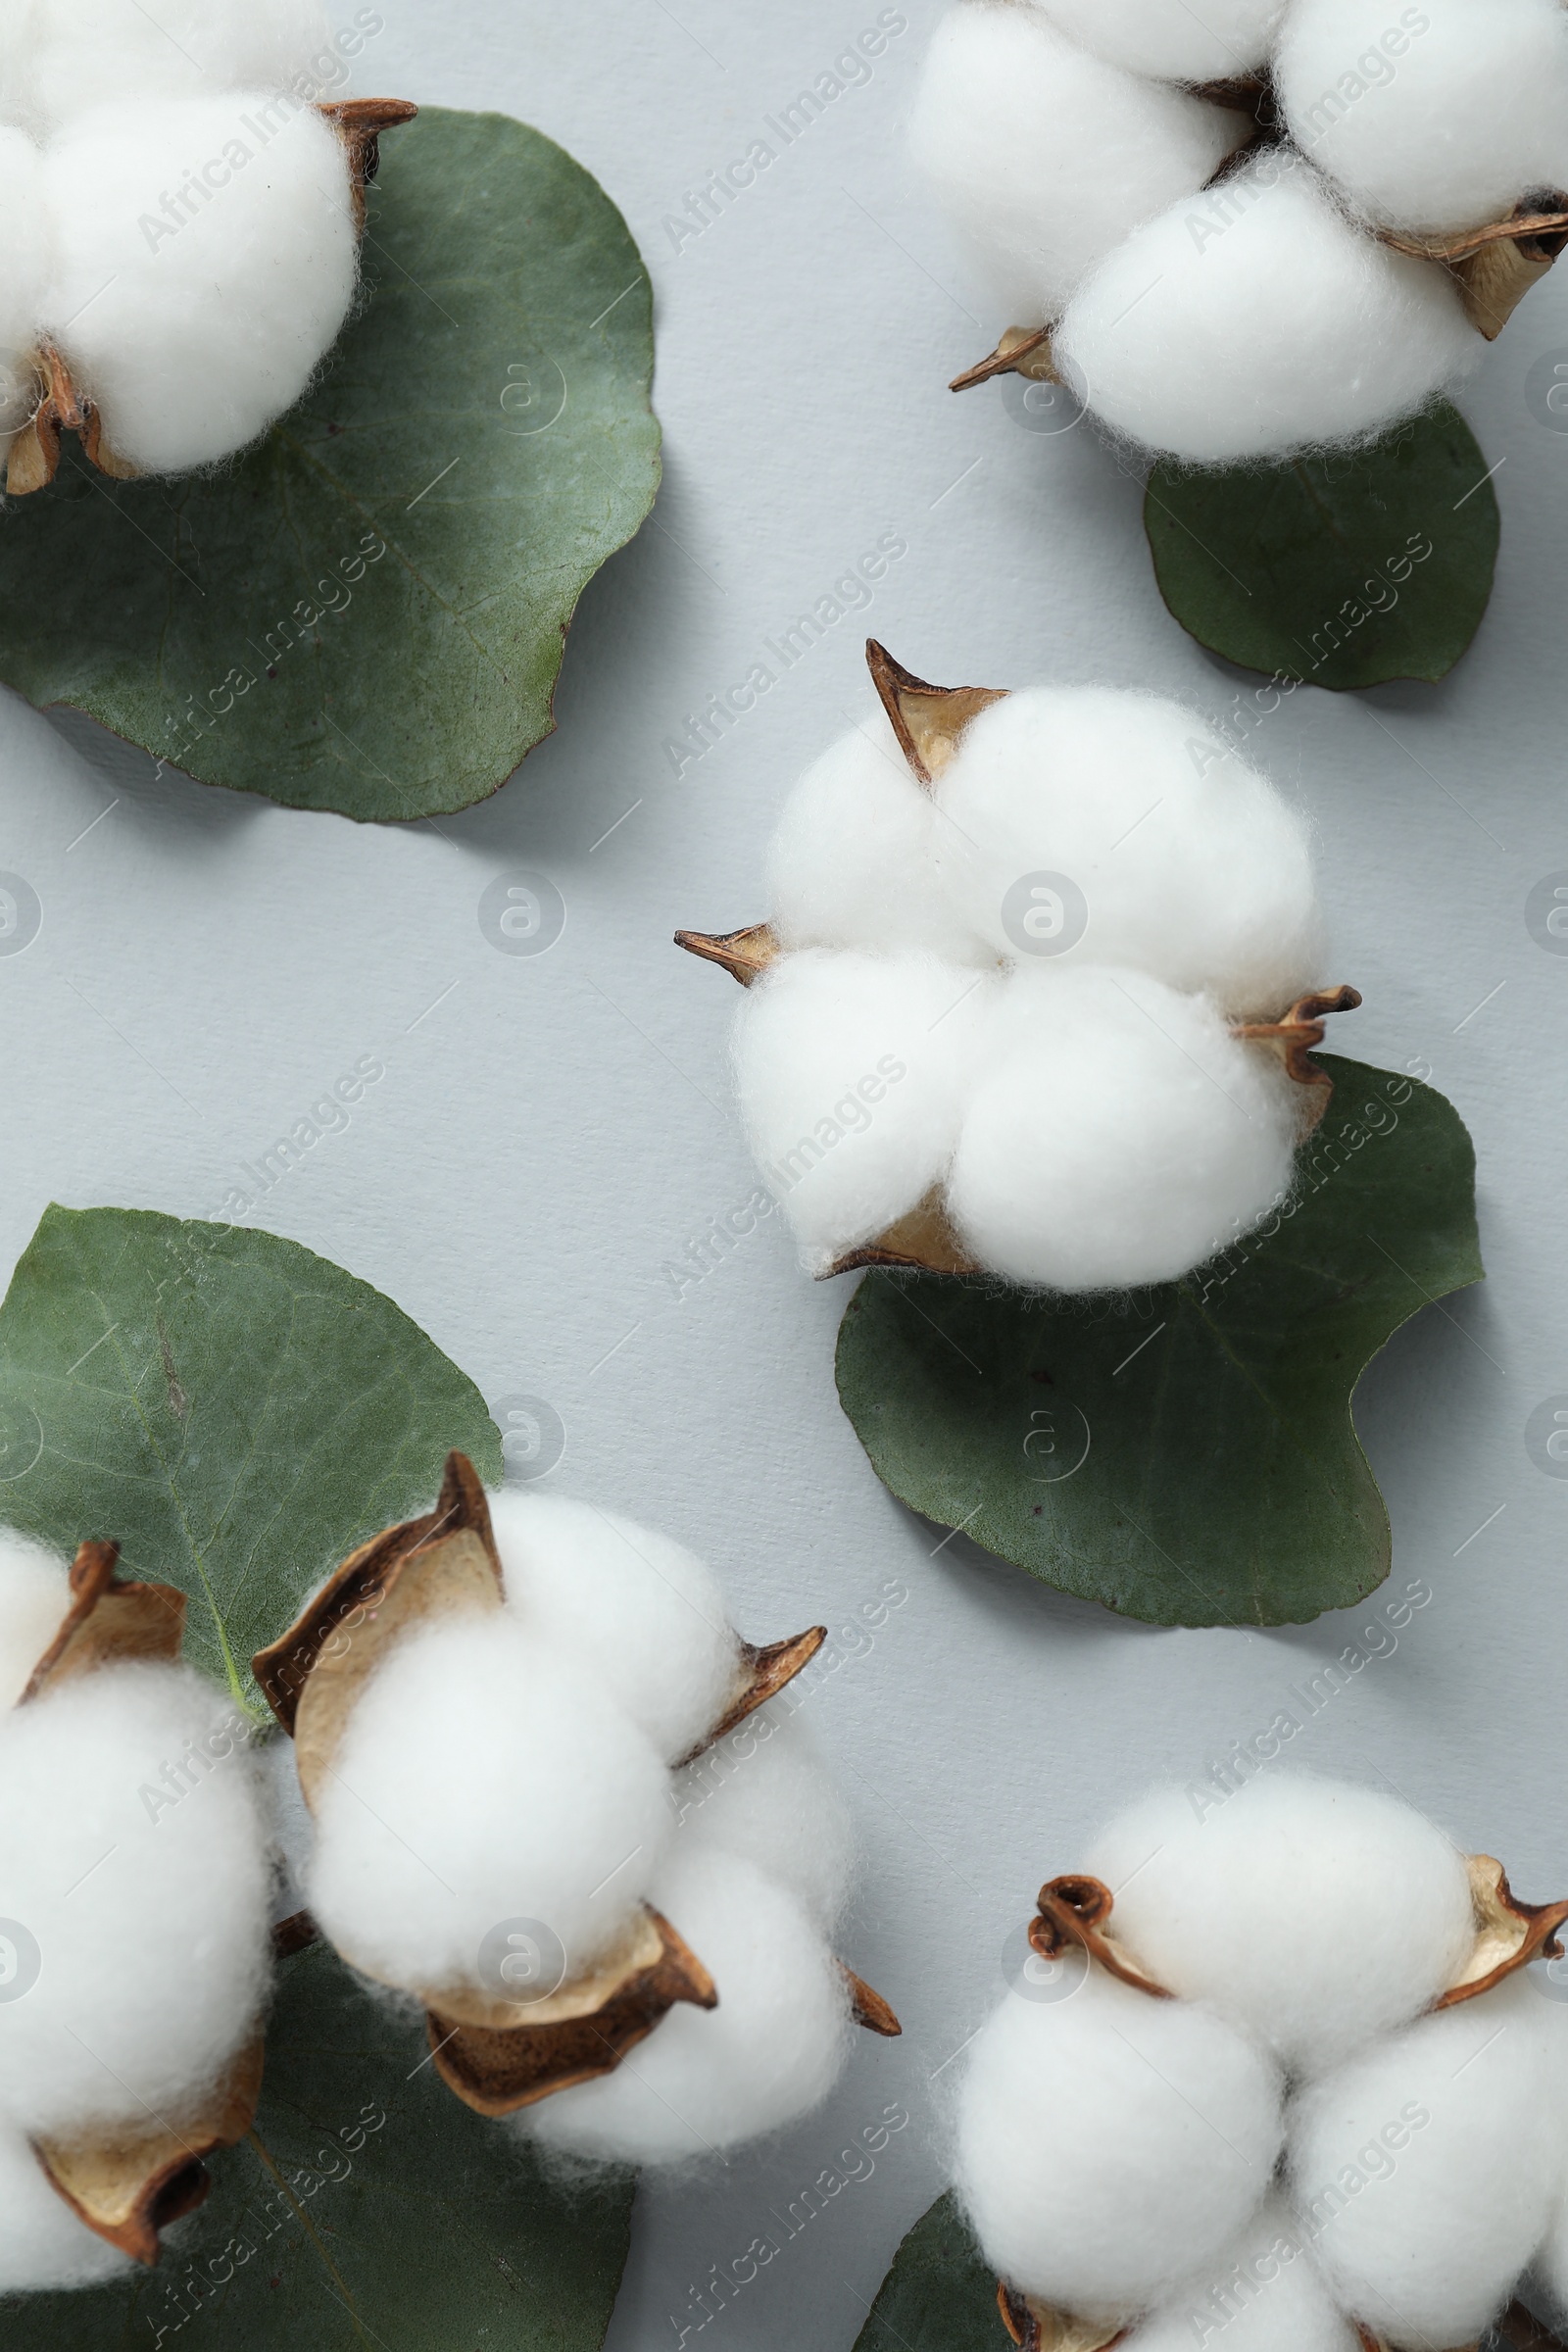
pixel 1187 1457
pixel 236 1411
pixel 1314 569
pixel 940 2295
pixel 484 421
pixel 368 2208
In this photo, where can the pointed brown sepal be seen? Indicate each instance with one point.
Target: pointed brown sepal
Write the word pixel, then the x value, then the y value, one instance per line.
pixel 1495 267
pixel 923 1243
pixel 927 721
pixel 1293 1037
pixel 293 1934
pixel 1521 2331
pixel 867 2007
pixel 496 2065
pixel 1022 351
pixel 742 954
pixel 441 1563
pixel 764 1672
pixel 33 457
pixel 1035 2328
pixel 1077 1910
pixel 128 2185
pixel 1509 1934
pixel 359 124
pixel 108 1623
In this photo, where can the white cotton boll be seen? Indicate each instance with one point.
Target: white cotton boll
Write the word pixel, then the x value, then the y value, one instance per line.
pixel 853 863
pixel 34 1597
pixel 707 2078
pixel 1314 1913
pixel 1427 2168
pixel 483 1776
pixel 42 2245
pixel 1120 1134
pixel 852 1072
pixel 192 329
pixel 21 273
pixel 1263 2293
pixel 1189 864
pixel 149 1911
pixel 1047 156
pixel 1109 2143
pixel 1213 42
pixel 646 1618
pixel 64 59
pixel 1434 119
pixel 1256 321
pixel 766 1794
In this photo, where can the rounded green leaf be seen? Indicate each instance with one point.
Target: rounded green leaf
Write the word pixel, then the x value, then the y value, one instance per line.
pixel 237 1412
pixel 366 2208
pixel 1187 1457
pixel 940 2295
pixel 484 422
pixel 1343 569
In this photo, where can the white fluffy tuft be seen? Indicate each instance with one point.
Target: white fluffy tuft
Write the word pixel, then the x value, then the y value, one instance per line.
pixel 1432 2162
pixel 1433 119
pixel 1217 42
pixel 706 2080
pixel 1190 864
pixel 193 341
pixel 1258 320
pixel 35 1596
pixel 643 1616
pixel 483 1777
pixel 1312 1913
pixel 1122 1135
pixel 150 1918
pixel 1110 2144
pixel 42 2245
pixel 765 1793
pixel 1046 156
pixel 1269 2286
pixel 851 1072
pixel 22 272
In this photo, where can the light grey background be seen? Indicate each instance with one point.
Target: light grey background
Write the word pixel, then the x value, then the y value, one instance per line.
pixel 553 1130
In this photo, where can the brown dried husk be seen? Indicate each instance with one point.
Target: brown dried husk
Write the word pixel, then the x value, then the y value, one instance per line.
pixel 1077 1910
pixel 495 2055
pixel 928 722
pixel 129 2185
pixel 32 455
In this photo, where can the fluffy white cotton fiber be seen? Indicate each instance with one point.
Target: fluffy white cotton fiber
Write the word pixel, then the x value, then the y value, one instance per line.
pixel 1263 2293
pixel 1258 321
pixel 1190 863
pixel 42 2245
pixel 60 60
pixel 1429 2167
pixel 1047 156
pixel 35 1596
pixel 194 294
pixel 483 1776
pixel 1122 1135
pixel 1312 1913
pixel 642 1615
pixel 850 1070
pixel 149 1912
pixel 765 1793
pixel 22 269
pixel 707 2078
pixel 1107 2143
pixel 1436 118
pixel 1214 40
pixel 853 859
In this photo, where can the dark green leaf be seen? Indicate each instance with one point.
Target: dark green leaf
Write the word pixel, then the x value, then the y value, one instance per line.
pixel 369 2210
pixel 1188 1456
pixel 1295 569
pixel 179 613
pixel 238 1412
pixel 940 2295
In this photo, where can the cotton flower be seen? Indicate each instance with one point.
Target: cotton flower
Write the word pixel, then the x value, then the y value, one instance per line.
pixel 1253 230
pixel 1286 2083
